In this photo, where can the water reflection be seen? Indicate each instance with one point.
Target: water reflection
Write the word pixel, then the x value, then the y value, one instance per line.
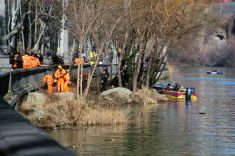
pixel 204 127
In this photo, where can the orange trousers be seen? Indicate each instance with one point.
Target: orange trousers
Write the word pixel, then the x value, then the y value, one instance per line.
pixel 49 89
pixel 66 87
pixel 60 85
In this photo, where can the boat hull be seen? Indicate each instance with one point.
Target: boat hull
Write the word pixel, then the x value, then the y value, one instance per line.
pixel 178 95
pixel 214 73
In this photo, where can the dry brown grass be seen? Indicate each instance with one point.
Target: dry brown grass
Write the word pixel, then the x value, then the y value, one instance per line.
pixel 102 116
pixel 150 96
pixel 63 113
pixel 56 111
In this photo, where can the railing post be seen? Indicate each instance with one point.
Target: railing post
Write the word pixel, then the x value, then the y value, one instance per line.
pixel 10 91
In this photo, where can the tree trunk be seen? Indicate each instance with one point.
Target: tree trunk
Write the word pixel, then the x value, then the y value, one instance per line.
pixel 14 12
pixel 81 81
pixel 136 73
pixel 36 24
pixel 78 81
pixel 30 28
pixel 147 81
pixel 120 59
pixel 90 77
pixel 162 67
pixel 37 44
pixel 137 67
pixel 119 69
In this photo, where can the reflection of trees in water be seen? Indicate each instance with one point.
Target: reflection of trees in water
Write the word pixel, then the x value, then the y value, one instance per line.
pixel 93 140
pixel 86 140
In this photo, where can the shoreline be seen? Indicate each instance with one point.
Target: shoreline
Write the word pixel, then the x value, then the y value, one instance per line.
pixel 65 111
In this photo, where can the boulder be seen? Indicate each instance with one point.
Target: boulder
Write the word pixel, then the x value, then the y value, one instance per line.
pixel 36 98
pixel 34 105
pixel 118 95
pixel 68 96
pixel 49 111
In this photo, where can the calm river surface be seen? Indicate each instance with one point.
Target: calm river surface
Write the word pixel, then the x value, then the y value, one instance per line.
pixel 172 128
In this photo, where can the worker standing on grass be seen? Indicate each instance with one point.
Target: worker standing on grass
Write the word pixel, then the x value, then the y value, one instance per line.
pixel 59 75
pixel 48 79
pixel 66 81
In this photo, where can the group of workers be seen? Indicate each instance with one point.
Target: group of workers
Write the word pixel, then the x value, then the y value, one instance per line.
pixel 61 76
pixel 17 60
pixel 81 59
pixel 62 79
pixel 26 61
pixel 30 61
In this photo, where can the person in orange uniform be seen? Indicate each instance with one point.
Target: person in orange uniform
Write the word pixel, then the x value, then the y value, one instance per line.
pixel 79 60
pixel 66 81
pixel 59 75
pixel 37 62
pixel 26 61
pixel 34 62
pixel 48 79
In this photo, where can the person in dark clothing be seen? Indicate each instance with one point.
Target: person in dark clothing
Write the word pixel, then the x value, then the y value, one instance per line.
pixel 177 87
pixel 168 87
pixel 104 79
pixel 57 59
pixel 16 60
pixel 125 77
pixel 39 57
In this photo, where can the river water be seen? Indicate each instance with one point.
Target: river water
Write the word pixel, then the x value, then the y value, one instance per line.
pixel 205 127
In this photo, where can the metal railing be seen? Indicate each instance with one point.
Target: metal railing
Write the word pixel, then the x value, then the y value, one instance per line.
pixel 17 83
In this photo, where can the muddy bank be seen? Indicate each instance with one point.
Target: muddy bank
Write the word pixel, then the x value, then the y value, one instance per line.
pixel 65 110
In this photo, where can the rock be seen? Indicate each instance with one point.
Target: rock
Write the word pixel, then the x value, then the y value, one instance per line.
pixel 49 111
pixel 118 95
pixel 34 105
pixel 36 98
pixel 68 96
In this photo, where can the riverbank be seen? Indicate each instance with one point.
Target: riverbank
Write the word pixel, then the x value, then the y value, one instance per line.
pixel 111 107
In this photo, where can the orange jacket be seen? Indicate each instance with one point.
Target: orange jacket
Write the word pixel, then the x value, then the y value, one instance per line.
pixel 38 64
pixel 60 73
pixel 14 65
pixel 79 61
pixel 35 62
pixel 48 79
pixel 67 78
pixel 26 61
pixel 32 62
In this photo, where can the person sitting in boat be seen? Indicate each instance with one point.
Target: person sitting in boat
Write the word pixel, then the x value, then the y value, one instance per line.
pixel 168 87
pixel 177 87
